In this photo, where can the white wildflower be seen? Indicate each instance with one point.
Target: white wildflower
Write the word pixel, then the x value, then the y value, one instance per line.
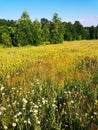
pixel 35 111
pixel 0 113
pixel 65 92
pixel 95 113
pixel 53 105
pixel 35 106
pixel 32 91
pixel 77 114
pixel 14 124
pixel 24 100
pixel 29 122
pixel 5 127
pixel 38 122
pixel 72 101
pixel 24 108
pixel 31 110
pixel 9 105
pixel 64 104
pixel 14 102
pixel 69 92
pixel 2 88
pixel 19 113
pixel 25 121
pixel 3 108
pixel 17 120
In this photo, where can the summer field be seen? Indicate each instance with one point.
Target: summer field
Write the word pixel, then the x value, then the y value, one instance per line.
pixel 52 87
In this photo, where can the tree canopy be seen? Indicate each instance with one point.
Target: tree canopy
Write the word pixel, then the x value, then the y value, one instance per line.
pixel 24 31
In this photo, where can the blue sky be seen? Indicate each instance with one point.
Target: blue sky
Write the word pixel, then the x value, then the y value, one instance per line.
pixel 85 11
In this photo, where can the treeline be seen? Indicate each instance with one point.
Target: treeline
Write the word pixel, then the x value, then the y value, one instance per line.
pixel 25 32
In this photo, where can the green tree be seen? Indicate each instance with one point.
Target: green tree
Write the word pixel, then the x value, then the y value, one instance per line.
pixel 56 30
pixel 69 31
pixel 92 32
pixel 36 32
pixel 23 32
pixel 44 21
pixel 79 30
pixel 8 30
pixel 45 33
pixel 6 40
pixel 45 30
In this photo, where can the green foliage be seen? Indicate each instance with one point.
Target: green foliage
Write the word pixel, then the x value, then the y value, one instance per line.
pixel 56 30
pixel 25 15
pixel 36 32
pixel 6 40
pixel 23 31
pixel 45 33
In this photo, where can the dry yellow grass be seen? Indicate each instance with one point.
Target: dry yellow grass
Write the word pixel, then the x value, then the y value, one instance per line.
pixel 57 62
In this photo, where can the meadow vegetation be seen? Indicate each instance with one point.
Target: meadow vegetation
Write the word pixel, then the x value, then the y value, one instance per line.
pixel 52 87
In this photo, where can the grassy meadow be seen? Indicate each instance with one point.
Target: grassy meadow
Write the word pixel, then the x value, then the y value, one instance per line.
pixel 52 87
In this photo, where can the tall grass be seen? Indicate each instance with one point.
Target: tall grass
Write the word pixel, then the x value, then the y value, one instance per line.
pixel 53 87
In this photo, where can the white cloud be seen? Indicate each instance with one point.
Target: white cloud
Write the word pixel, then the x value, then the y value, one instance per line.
pixel 90 20
pixel 82 20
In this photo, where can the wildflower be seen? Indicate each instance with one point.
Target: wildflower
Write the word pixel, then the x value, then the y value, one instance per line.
pixel 54 101
pixel 2 88
pixel 95 113
pixel 0 113
pixel 20 88
pixel 32 84
pixel 29 122
pixel 53 105
pixel 77 114
pixel 14 124
pixel 25 121
pixel 2 108
pixel 31 110
pixel 17 91
pixel 38 122
pixel 9 105
pixel 17 120
pixel 14 102
pixel 15 116
pixel 38 81
pixel 72 101
pixel 13 88
pixel 25 101
pixel 40 105
pixel 41 89
pixel 65 113
pixel 66 125
pixel 35 106
pixel 43 101
pixel 65 92
pixel 19 113
pixel 75 86
pixel 64 104
pixel 69 92
pixel 5 127
pixel 32 91
pixel 35 111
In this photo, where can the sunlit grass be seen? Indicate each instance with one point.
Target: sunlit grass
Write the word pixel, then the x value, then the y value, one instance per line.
pixel 39 86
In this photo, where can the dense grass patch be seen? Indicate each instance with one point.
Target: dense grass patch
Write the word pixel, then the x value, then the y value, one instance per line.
pixel 53 87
